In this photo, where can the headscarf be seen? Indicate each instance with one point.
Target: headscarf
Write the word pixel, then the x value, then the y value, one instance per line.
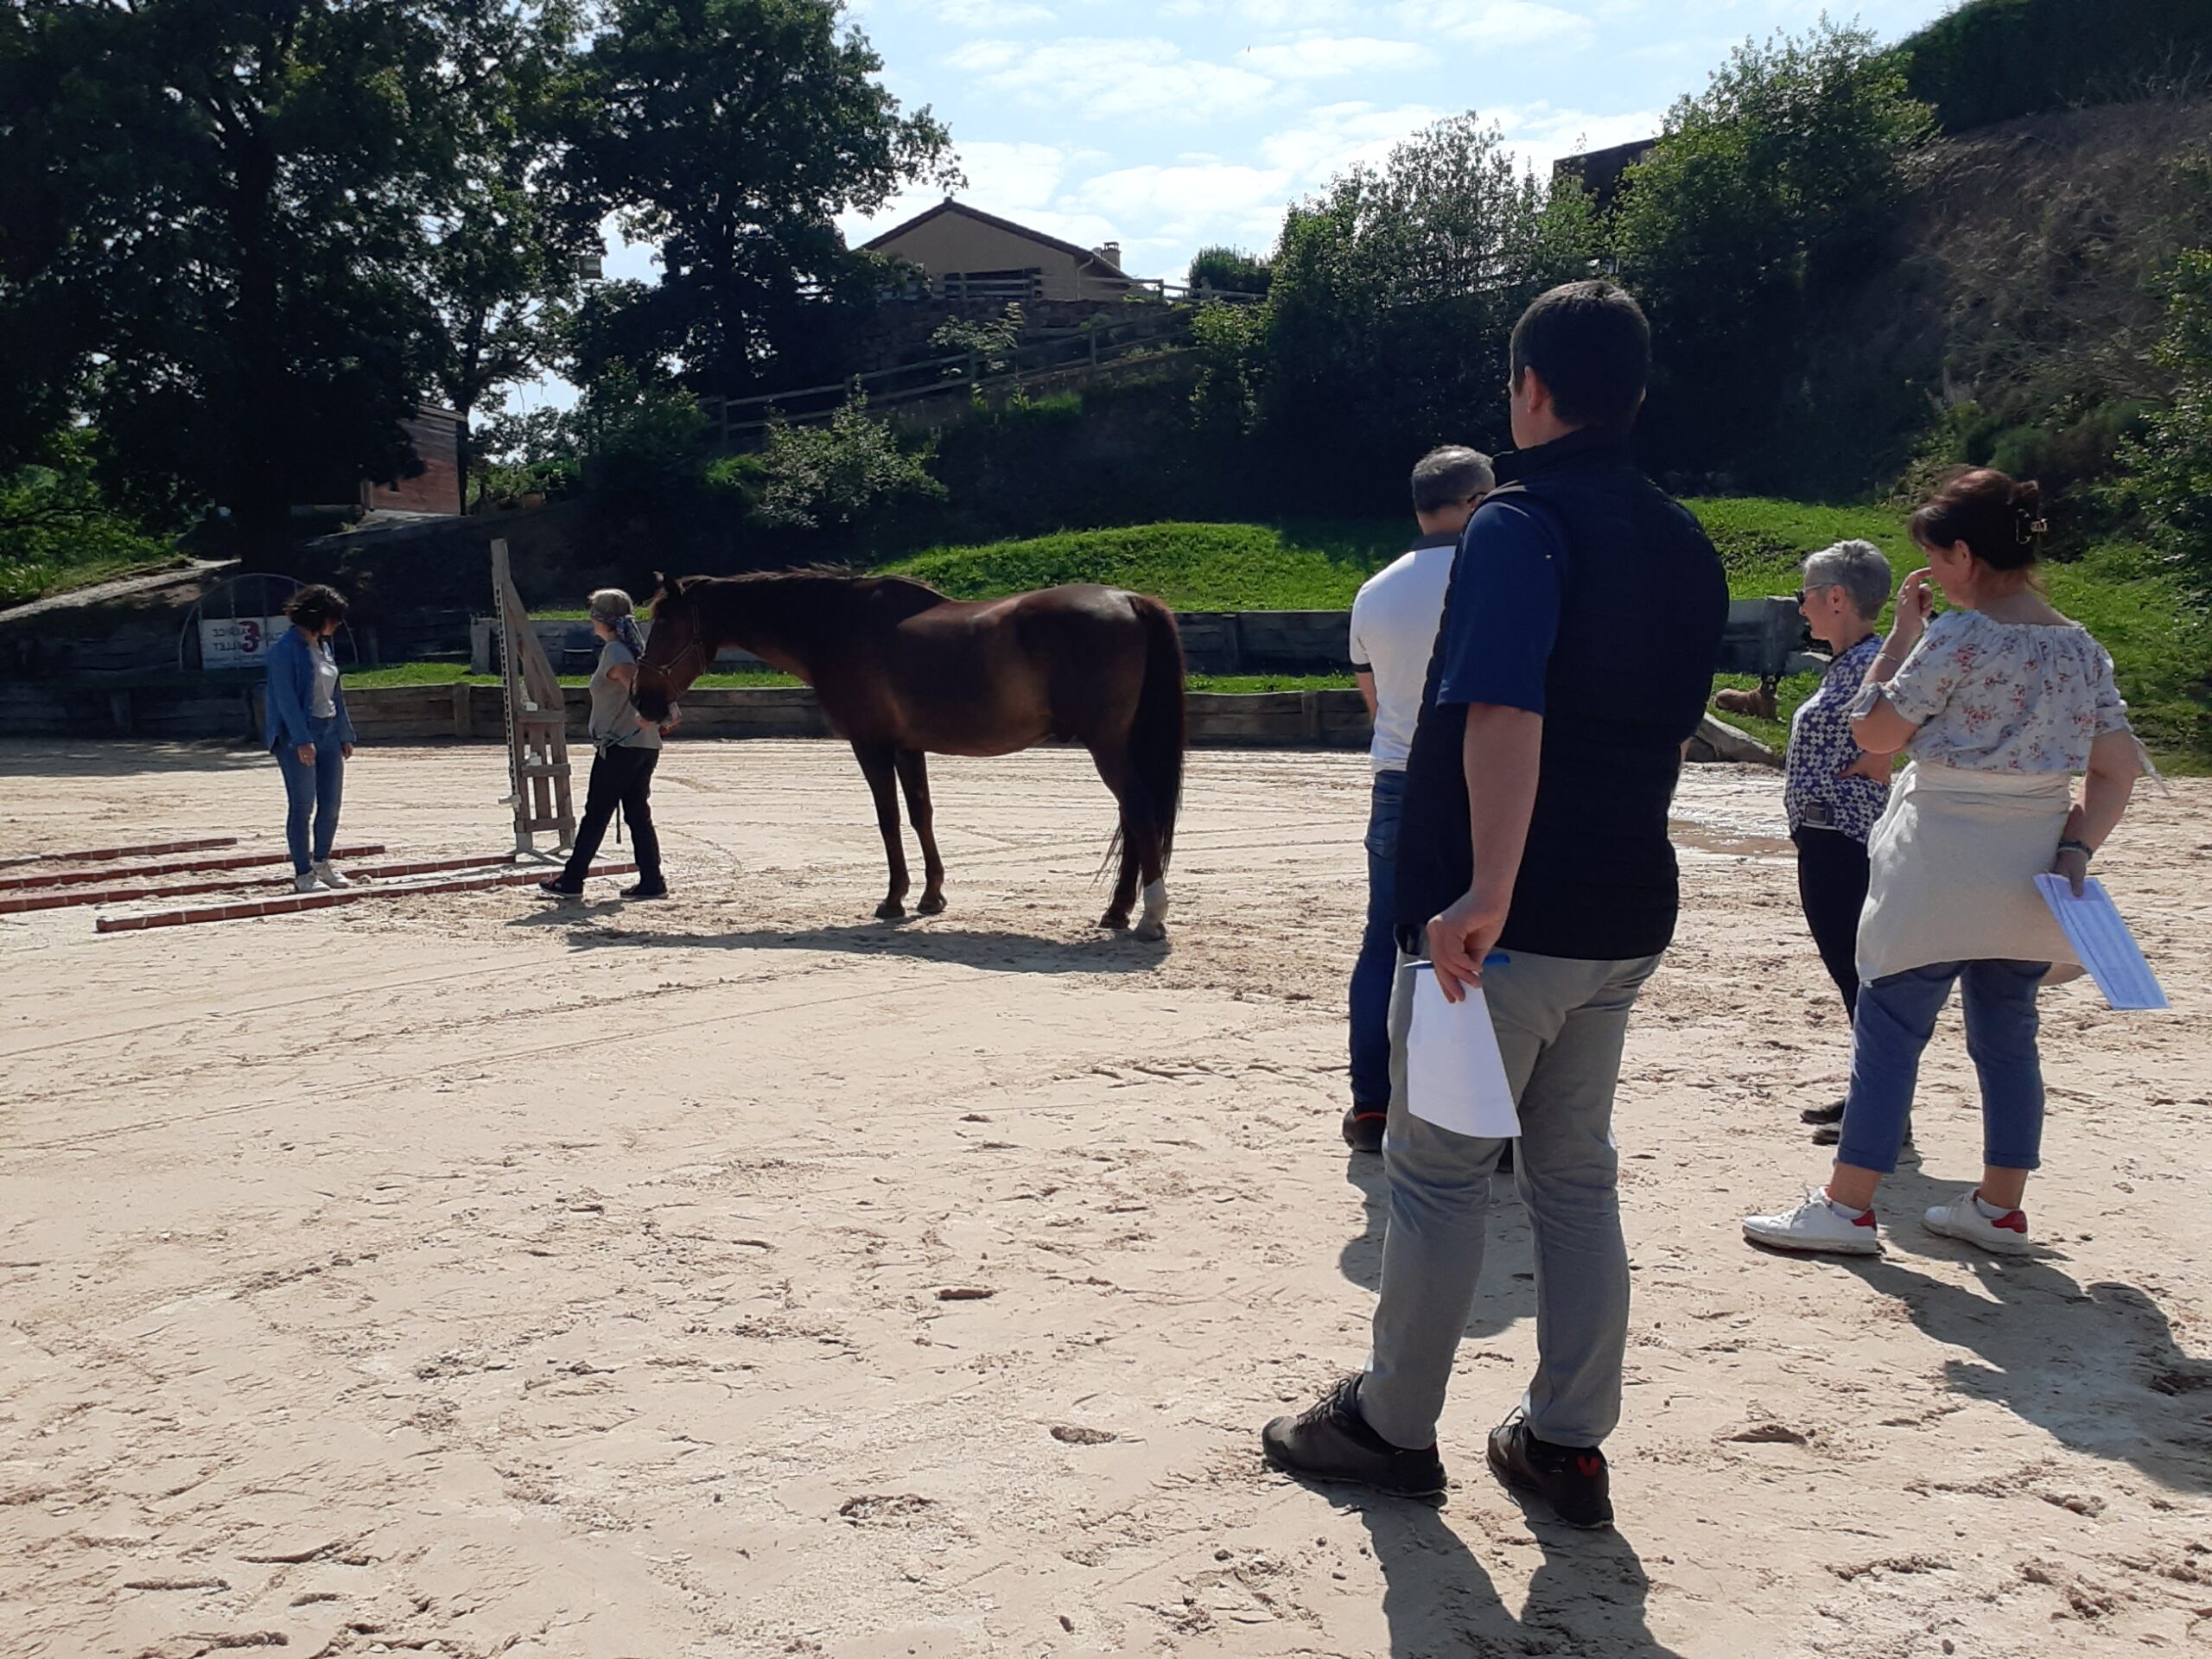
pixel 612 607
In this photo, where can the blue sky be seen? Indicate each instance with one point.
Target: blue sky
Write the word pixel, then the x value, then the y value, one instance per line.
pixel 1169 124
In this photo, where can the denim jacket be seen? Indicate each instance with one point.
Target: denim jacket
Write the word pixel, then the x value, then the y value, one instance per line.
pixel 285 722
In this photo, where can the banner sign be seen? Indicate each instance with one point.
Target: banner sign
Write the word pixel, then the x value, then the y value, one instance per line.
pixel 238 642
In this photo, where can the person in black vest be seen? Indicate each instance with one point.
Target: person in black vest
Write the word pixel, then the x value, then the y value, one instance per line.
pixel 1580 633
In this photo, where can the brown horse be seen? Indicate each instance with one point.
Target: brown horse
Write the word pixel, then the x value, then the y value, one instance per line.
pixel 901 670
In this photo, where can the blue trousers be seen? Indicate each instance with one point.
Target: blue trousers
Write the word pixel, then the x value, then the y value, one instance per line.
pixel 1895 1018
pixel 316 787
pixel 1376 968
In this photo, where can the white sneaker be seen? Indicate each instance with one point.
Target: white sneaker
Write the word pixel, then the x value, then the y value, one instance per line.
pixel 2007 1233
pixel 303 882
pixel 330 877
pixel 1814 1225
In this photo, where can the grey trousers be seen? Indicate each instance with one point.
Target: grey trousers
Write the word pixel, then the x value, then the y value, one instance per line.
pixel 1561 1025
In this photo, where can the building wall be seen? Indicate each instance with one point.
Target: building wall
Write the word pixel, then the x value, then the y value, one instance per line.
pixel 435 435
pixel 953 242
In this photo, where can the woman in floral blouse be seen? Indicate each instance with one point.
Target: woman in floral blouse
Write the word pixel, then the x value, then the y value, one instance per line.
pixel 1998 701
pixel 1833 790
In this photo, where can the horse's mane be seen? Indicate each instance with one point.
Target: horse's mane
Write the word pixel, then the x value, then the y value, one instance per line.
pixel 840 573
pixel 843 576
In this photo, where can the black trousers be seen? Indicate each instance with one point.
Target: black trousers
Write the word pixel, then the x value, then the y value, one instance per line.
pixel 623 776
pixel 1831 887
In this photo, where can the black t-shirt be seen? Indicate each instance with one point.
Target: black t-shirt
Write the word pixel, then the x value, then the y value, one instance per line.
pixel 1585 595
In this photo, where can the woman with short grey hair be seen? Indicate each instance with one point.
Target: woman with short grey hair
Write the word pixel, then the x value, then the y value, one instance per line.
pixel 1831 790
pixel 626 748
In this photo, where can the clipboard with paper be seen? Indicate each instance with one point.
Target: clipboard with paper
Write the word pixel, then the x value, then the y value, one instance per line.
pixel 2100 938
pixel 1455 1076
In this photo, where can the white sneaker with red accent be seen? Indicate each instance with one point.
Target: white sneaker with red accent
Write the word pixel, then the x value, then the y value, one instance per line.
pixel 1964 1219
pixel 1815 1226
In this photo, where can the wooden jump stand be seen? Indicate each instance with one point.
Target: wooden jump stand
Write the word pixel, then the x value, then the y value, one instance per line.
pixel 538 723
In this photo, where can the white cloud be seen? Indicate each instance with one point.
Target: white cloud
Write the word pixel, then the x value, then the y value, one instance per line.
pixel 1337 136
pixel 1294 14
pixel 1144 78
pixel 989 14
pixel 1199 199
pixel 1497 24
pixel 1321 57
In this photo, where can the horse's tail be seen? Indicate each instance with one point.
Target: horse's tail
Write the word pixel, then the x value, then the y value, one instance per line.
pixel 1156 735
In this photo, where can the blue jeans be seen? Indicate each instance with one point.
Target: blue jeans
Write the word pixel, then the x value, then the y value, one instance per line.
pixel 1371 975
pixel 1895 1018
pixel 317 786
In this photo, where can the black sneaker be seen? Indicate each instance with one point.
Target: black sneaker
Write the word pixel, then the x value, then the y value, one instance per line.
pixel 1571 1478
pixel 1330 1441
pixel 641 891
pixel 1830 1113
pixel 557 888
pixel 1364 1126
pixel 1830 1135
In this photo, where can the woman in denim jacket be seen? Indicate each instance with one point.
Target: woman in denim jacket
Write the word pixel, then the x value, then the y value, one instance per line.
pixel 306 728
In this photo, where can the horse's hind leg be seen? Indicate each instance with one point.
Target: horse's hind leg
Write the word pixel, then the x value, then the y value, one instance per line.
pixel 878 762
pixel 914 777
pixel 1114 769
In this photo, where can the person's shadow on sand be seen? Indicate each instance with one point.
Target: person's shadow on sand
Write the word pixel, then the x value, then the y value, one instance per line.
pixel 2045 1349
pixel 1587 1597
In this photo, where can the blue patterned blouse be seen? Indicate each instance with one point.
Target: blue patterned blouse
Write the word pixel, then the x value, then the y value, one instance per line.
pixel 1814 792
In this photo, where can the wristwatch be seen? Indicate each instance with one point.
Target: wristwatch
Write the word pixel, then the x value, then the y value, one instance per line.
pixel 2070 845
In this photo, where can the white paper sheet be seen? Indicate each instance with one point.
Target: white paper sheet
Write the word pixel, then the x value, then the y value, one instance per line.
pixel 2100 938
pixel 1455 1077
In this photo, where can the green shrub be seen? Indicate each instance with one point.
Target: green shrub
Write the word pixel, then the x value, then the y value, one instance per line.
pixel 58 530
pixel 2171 462
pixel 1991 61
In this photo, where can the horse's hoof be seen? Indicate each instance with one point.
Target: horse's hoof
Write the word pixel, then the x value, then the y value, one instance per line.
pixel 890 910
pixel 1115 920
pixel 1151 931
pixel 933 904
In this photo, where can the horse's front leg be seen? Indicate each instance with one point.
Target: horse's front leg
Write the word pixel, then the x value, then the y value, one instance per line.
pixel 878 765
pixel 914 778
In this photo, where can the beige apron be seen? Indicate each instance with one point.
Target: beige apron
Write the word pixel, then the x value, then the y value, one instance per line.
pixel 1953 863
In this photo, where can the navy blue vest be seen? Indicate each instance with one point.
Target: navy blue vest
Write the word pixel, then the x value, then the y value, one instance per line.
pixel 1643 601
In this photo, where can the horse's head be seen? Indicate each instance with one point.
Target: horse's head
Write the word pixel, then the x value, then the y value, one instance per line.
pixel 677 650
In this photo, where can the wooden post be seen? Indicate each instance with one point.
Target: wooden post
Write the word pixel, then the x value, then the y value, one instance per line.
pixel 538 720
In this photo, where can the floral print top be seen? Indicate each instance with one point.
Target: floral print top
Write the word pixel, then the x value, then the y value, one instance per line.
pixel 1814 791
pixel 2004 697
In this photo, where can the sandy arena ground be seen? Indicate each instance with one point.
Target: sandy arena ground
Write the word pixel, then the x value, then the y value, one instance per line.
pixel 740 1275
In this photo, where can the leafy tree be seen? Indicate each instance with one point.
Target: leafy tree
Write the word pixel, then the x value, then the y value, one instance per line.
pixel 1230 271
pixel 2170 461
pixel 818 477
pixel 734 132
pixel 509 240
pixel 233 233
pixel 1769 193
pixel 1393 294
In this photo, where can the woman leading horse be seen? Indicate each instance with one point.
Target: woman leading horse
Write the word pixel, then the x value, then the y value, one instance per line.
pixel 901 671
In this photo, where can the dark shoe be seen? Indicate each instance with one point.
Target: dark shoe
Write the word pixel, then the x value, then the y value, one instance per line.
pixel 641 891
pixel 1830 1113
pixel 1572 1479
pixel 1828 1134
pixel 1364 1126
pixel 1330 1441
pixel 557 888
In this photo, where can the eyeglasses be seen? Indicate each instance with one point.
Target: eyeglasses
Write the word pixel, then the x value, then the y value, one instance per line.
pixel 1817 587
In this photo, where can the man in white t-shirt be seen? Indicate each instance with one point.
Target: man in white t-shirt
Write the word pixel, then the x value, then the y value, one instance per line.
pixel 1394 625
